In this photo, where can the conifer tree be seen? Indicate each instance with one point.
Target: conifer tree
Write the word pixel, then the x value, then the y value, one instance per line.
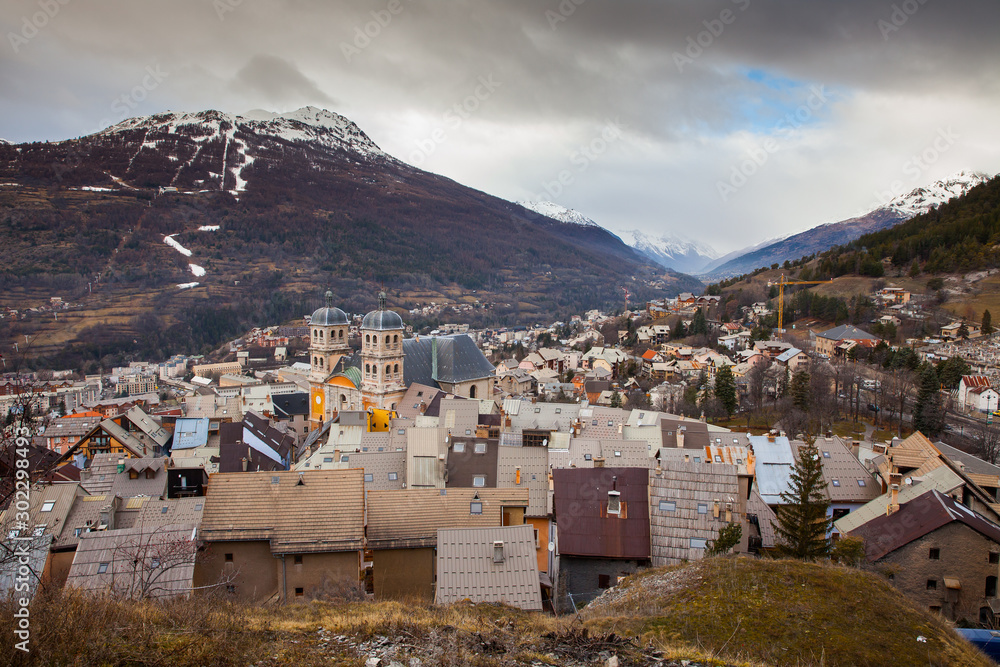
pixel 987 326
pixel 699 325
pixel 802 521
pixel 801 391
pixel 927 413
pixel 725 390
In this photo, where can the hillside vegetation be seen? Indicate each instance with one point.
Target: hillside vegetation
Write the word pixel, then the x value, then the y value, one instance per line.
pixel 722 611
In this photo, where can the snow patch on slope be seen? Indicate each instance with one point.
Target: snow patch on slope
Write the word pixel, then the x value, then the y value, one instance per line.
pixel 197 270
pixel 557 212
pixel 209 228
pixel 173 243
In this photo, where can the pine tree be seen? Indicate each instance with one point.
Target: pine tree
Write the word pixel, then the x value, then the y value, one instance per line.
pixel 802 521
pixel 927 412
pixel 616 399
pixel 699 325
pixel 725 390
pixel 680 331
pixel 987 326
pixel 800 390
pixel 963 331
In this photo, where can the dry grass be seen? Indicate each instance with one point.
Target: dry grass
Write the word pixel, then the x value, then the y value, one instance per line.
pixel 783 613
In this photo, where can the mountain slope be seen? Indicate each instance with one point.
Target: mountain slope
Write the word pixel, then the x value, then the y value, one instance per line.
pixel 671 251
pixel 557 212
pixel 272 210
pixel 822 238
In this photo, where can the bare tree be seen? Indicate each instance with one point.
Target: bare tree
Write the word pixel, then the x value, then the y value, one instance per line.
pixel 987 439
pixel 150 562
pixel 897 385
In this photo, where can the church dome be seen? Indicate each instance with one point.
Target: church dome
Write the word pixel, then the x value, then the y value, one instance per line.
pixel 382 319
pixel 328 315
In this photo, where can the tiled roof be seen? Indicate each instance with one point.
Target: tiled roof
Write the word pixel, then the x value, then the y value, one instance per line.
pixel 766 518
pixel 472 565
pixel 847 332
pixel 387 469
pixel 417 394
pixel 847 480
pixel 70 427
pixel 410 518
pixel 942 479
pixel 682 499
pixel 135 562
pixel 533 462
pixel 100 476
pixel 143 485
pixel 57 502
pixel 314 511
pixel 148 426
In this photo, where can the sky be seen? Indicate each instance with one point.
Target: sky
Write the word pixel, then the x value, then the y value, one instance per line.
pixel 723 121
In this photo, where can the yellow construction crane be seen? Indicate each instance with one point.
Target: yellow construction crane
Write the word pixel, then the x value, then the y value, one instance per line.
pixel 781 282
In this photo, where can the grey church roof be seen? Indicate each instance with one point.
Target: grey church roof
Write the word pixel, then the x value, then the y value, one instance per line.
pixel 449 359
pixel 382 320
pixel 328 316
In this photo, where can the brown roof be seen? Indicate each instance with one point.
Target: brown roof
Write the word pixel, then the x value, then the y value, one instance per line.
pixel 471 565
pixel 143 561
pixel 847 480
pixel 466 462
pixel 56 500
pixel 682 498
pixel 297 512
pixel 917 518
pixel 581 512
pixel 765 517
pixel 410 518
pixel 695 433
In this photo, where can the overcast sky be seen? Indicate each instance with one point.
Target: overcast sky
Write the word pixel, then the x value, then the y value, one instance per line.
pixel 726 122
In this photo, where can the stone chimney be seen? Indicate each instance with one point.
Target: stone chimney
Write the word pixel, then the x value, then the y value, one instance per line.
pixel 895 479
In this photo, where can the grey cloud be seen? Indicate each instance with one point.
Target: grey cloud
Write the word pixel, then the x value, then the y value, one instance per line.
pixel 280 82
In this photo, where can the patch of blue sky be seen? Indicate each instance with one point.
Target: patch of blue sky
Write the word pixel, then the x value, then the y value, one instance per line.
pixel 766 103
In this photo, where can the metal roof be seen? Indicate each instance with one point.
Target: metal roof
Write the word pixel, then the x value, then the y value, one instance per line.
pixel 496 564
pixel 449 359
pixel 585 528
pixel 190 433
pixel 942 479
pixel 328 316
pixel 847 480
pixel 382 320
pixel 846 332
pixel 917 518
pixel 533 464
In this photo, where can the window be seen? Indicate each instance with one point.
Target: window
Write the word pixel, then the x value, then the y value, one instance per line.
pixel 618 453
pixel 702 508
pixel 369 477
pixel 697 543
pixel 102 568
pixel 475 508
pixel 458 447
pixel 197 508
pixel 826 455
pixel 594 423
pixel 610 423
pixel 537 410
pixel 77 531
pixel 230 588
pixel 298 559
pixel 39 531
pixel 991 587
pixel 480 448
pixel 669 506
pixel 11 534
pixel 164 509
pixel 393 476
pixel 588 457
pixel 861 482
pixel 229 558
pixel 718 459
pixel 344 458
pixel 934 554
pixel 327 459
pixel 299 592
pixel 479 480
pixel 994 557
pixel 275 479
pixel 697 459
pixel 155 563
pixel 48 505
pixel 604 581
pixel 932 584
pixel 835 482
pixel 558 411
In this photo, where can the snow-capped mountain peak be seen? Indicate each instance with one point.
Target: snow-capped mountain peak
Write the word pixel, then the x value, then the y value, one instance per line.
pixel 922 199
pixel 671 250
pixel 4 142
pixel 557 212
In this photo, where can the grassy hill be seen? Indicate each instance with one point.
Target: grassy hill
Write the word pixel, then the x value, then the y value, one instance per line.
pixel 724 611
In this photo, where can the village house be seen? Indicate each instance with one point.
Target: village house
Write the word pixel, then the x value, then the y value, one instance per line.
pixel 975 393
pixel 828 342
pixel 282 535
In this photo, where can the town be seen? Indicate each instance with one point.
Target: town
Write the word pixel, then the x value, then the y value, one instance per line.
pixel 349 457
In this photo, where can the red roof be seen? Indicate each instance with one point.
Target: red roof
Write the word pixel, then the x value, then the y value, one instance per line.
pixel 976 381
pixel 649 355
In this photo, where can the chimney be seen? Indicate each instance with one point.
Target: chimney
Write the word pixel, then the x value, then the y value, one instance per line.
pixel 680 438
pixel 856 449
pixel 598 461
pixel 894 478
pixel 121 465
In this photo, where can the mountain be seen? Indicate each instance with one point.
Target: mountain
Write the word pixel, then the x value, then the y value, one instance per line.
pixel 711 266
pixel 557 212
pixel 822 238
pixel 673 252
pixel 179 229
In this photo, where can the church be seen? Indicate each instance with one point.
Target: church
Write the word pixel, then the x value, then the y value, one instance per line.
pixel 378 375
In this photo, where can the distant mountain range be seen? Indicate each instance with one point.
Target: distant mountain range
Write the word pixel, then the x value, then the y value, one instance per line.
pixel 822 238
pixel 205 223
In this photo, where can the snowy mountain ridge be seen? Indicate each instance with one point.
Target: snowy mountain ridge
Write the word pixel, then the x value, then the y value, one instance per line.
pixel 557 212
pixel 922 199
